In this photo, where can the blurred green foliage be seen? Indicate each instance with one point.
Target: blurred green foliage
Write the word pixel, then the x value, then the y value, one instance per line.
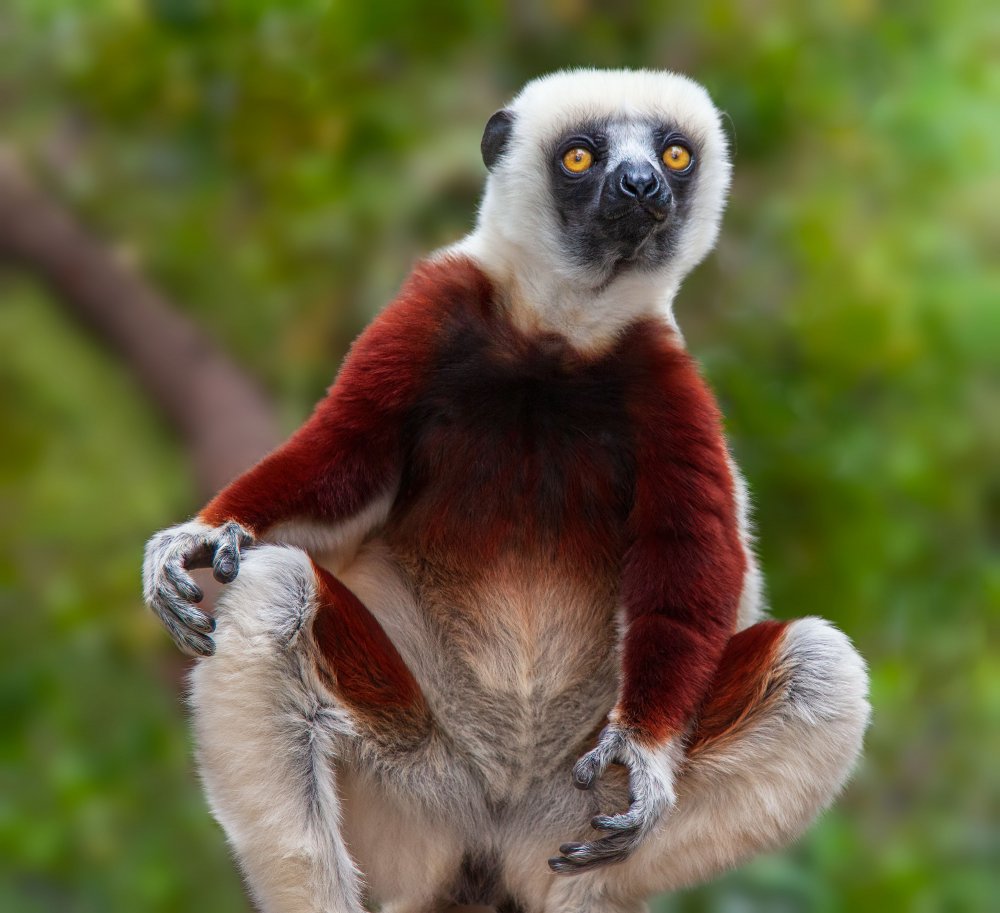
pixel 277 168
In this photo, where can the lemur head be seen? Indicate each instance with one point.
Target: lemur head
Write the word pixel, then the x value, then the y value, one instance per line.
pixel 604 177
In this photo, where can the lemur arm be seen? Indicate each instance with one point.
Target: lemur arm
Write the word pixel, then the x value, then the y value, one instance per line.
pixel 683 572
pixel 348 454
pixel 682 578
pixel 333 471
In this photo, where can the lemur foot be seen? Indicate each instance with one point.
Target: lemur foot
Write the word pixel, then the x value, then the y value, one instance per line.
pixel 169 589
pixel 651 795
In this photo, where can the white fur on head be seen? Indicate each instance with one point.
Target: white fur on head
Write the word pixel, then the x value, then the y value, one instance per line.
pixel 517 237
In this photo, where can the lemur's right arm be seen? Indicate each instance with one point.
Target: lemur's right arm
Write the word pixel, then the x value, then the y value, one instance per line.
pixel 337 472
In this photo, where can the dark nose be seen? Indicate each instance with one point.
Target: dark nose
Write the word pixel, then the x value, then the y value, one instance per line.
pixel 640 181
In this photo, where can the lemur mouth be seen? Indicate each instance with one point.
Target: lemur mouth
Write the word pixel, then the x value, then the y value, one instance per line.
pixel 633 259
pixel 658 213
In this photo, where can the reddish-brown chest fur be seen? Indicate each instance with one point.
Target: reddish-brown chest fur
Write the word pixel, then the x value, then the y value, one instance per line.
pixel 519 446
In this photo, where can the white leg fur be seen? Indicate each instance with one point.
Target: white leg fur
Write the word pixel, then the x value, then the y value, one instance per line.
pixel 755 792
pixel 266 739
pixel 268 735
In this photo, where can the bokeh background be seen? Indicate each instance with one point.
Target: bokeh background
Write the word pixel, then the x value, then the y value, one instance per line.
pixel 275 169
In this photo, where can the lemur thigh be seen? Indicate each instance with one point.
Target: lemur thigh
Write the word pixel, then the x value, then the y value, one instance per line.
pixel 777 738
pixel 272 714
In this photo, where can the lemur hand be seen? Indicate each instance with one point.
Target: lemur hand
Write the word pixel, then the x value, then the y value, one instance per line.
pixel 651 773
pixel 168 588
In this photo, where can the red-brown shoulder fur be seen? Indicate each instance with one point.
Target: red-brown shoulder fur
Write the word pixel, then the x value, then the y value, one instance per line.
pixel 348 451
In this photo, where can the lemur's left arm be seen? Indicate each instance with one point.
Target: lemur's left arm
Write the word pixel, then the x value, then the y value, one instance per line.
pixel 682 578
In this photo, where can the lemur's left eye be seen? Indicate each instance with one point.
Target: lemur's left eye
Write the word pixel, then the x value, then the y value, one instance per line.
pixel 677 157
pixel 578 160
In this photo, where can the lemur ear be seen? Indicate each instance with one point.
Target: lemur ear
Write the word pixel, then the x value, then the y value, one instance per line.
pixel 495 137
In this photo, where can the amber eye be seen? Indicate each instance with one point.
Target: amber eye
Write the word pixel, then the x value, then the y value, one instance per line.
pixel 676 157
pixel 578 160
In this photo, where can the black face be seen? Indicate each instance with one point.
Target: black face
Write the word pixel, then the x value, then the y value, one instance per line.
pixel 626 215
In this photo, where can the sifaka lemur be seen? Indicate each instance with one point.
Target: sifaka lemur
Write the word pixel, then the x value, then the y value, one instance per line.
pixel 497 596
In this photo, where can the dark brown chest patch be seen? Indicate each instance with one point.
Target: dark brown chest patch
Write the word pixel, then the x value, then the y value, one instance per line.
pixel 518 443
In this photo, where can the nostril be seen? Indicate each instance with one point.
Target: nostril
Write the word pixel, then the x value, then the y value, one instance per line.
pixel 628 186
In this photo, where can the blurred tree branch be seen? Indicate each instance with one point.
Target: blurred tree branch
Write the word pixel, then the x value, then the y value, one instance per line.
pixel 224 418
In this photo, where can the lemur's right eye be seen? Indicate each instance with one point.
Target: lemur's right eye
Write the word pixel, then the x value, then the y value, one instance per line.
pixel 578 160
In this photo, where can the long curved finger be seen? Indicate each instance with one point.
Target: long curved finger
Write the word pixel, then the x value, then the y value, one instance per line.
pixel 634 818
pixel 168 598
pixel 182 581
pixel 191 642
pixel 582 857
